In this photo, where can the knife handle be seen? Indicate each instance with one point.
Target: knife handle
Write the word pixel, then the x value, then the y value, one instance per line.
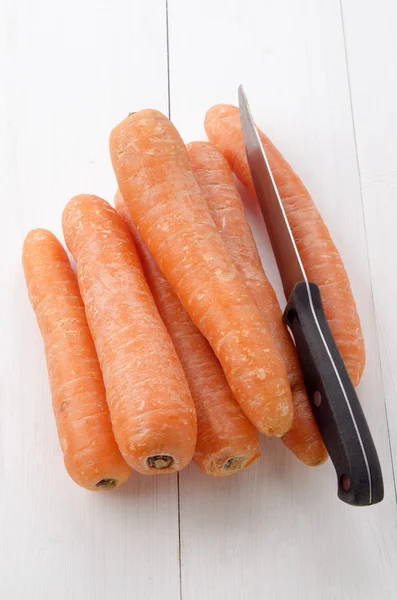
pixel 334 401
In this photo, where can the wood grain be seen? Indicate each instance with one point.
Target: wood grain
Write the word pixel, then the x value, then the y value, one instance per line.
pixel 278 530
pixel 68 74
pixel 373 84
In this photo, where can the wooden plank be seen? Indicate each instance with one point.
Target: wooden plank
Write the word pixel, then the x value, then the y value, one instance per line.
pixel 68 74
pixel 373 82
pixel 278 530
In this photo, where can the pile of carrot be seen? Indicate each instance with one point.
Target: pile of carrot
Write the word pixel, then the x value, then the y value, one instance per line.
pixel 166 344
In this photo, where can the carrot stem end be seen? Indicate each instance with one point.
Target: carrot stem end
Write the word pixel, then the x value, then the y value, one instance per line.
pixel 160 461
pixel 234 464
pixel 106 484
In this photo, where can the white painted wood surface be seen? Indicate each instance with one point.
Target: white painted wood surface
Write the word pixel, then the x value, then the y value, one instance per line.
pixel 373 82
pixel 67 74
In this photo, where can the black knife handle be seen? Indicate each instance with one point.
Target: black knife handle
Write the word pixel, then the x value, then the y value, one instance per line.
pixel 334 401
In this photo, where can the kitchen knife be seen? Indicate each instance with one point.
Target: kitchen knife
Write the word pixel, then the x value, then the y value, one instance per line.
pixel 334 401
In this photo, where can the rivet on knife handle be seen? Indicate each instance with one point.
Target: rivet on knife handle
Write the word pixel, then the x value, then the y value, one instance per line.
pixel 334 400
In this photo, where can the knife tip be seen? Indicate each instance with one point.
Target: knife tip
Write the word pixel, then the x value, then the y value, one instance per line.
pixel 242 98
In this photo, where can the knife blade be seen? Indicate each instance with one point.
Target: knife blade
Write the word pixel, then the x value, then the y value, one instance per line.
pixel 333 399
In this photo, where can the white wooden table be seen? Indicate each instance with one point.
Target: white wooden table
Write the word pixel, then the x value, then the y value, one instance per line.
pixel 322 79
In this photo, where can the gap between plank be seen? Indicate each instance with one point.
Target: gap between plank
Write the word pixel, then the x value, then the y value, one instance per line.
pixel 168 58
pixel 366 237
pixel 177 475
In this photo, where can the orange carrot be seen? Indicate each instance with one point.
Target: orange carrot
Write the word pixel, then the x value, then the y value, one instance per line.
pixel 152 412
pixel 157 183
pixel 320 257
pixel 216 182
pixel 90 452
pixel 226 440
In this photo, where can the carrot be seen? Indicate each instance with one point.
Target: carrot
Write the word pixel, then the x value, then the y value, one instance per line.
pixel 90 452
pixel 152 412
pixel 226 439
pixel 216 182
pixel 157 183
pixel 320 257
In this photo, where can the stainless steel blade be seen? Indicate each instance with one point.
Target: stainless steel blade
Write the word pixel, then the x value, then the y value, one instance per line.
pixel 284 248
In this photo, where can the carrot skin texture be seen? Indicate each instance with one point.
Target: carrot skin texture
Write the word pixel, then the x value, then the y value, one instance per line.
pixel 91 455
pixel 216 182
pixel 226 440
pixel 319 254
pixel 157 183
pixel 152 412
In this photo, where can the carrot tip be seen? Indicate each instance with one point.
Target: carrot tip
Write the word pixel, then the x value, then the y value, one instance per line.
pixel 106 484
pixel 234 464
pixel 160 461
